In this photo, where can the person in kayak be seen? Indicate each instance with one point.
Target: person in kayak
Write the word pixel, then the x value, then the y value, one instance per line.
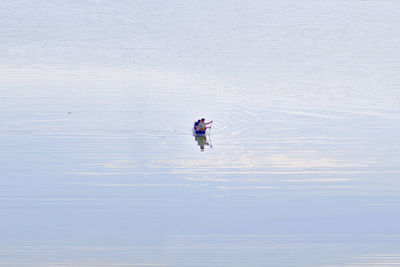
pixel 196 123
pixel 202 125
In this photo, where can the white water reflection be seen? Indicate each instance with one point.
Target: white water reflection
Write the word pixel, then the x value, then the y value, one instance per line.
pixel 283 250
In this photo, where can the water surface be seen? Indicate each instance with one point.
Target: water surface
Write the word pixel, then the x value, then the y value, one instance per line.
pixel 99 166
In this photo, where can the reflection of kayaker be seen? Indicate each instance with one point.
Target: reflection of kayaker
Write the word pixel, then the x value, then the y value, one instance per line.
pixel 202 141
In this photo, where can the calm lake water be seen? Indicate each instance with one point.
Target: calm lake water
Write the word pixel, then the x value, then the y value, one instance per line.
pixel 99 166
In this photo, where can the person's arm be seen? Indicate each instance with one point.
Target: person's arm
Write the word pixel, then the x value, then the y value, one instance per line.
pixel 208 122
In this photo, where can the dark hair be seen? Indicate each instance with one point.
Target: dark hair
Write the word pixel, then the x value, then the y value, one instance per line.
pixel 203 119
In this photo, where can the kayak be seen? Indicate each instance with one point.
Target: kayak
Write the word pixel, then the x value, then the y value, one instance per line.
pixel 195 132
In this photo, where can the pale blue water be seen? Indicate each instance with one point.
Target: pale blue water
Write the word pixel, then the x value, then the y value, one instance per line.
pixel 99 167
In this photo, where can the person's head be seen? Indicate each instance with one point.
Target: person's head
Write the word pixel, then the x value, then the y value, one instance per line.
pixel 199 121
pixel 203 119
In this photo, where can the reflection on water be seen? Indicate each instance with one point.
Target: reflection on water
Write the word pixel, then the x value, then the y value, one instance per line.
pixel 212 250
pixel 98 167
pixel 202 141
